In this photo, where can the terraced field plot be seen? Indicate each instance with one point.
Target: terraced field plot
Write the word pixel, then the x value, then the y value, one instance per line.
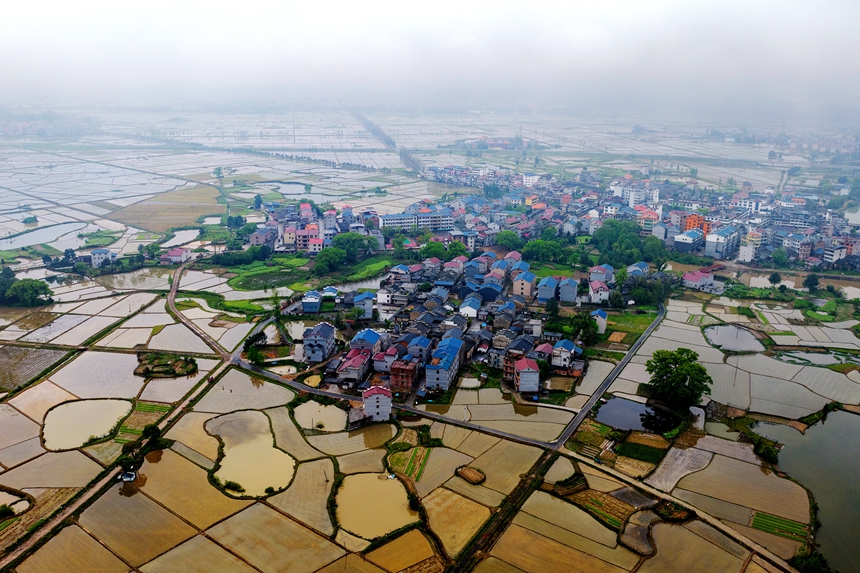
pixel 197 555
pixel 100 375
pixel 344 443
pixel 155 529
pixel 239 391
pixel 20 365
pixel 454 519
pixel 250 458
pixel 72 551
pixel 273 542
pixel 307 497
pixel 748 485
pixel 184 489
pixel 405 551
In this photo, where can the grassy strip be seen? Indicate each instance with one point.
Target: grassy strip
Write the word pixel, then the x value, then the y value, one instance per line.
pixel 779 526
pixel 423 465
pixel 132 431
pixel 410 465
pixel 141 407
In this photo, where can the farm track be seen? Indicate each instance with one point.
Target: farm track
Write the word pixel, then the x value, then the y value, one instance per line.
pixel 481 545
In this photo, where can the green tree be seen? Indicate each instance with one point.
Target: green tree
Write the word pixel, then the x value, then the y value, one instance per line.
pixel 780 257
pixel 677 376
pixel 616 299
pixel 456 249
pixel 552 307
pixel 28 292
pixel 433 249
pixel 774 279
pixel 353 245
pixel 218 172
pixel 549 234
pixel 642 296
pixel 255 356
pixel 585 260
pixel 585 328
pixel 653 250
pixel 509 240
pixel 621 276
pixel 493 191
pixel 258 202
pixel 811 282
pixel 328 260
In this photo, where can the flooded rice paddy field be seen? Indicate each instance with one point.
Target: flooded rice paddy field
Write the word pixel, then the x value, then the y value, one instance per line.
pixel 314 416
pixel 70 425
pixel 371 505
pixel 250 457
pixel 753 382
pixel 487 407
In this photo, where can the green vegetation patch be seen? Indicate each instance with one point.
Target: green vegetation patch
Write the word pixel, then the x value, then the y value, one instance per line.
pixel 779 526
pixel 640 452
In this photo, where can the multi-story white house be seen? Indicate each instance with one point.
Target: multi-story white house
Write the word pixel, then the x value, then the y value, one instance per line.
pixel 377 403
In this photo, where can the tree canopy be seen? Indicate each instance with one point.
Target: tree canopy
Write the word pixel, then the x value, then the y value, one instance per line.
pixel 620 245
pixel 677 376
pixel 328 260
pixel 774 279
pixel 353 244
pixel 811 282
pixel 510 240
pixel 27 292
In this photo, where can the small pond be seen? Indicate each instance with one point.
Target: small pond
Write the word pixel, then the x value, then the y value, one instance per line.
pixel 626 414
pixel 733 338
pixel 70 425
pixel 825 461
pixel 212 221
pixel 371 505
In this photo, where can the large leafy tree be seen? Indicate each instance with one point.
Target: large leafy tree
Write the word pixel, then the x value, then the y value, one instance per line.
pixel 677 376
pixel 328 260
pixel 811 282
pixel 455 250
pixel 774 279
pixel 510 240
pixel 433 249
pixel 28 292
pixel 353 245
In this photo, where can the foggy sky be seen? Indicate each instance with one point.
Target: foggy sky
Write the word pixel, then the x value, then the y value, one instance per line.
pixel 719 56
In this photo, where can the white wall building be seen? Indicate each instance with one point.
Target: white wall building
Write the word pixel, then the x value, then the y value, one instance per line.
pixel 377 403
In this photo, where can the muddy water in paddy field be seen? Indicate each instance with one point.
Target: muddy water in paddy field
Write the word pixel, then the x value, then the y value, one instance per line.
pixel 733 338
pixel 825 461
pixel 370 505
pixel 250 458
pixel 70 425
pixel 311 414
pixel 143 279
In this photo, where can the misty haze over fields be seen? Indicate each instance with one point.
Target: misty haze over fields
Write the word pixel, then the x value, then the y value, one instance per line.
pixel 778 61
